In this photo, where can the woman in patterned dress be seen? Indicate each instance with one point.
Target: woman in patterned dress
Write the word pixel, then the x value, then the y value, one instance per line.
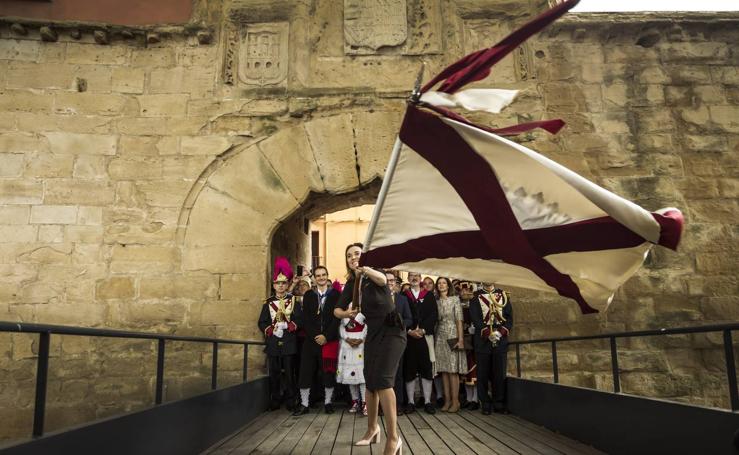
pixel 449 362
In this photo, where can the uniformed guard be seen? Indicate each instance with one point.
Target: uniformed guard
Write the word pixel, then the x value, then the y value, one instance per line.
pixel 492 317
pixel 279 321
pixel 321 334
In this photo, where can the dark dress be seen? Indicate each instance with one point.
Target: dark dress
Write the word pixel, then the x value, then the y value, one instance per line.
pixel 385 342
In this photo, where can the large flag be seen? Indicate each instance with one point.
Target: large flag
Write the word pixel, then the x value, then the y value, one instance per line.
pixel 497 211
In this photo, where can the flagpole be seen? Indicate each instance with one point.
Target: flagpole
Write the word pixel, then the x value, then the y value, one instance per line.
pixel 390 171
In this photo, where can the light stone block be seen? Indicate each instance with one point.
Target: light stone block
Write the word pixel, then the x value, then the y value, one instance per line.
pixel 91 167
pixel 80 192
pixel 22 143
pixel 375 136
pixel 53 214
pixel 18 234
pixel 84 234
pixel 51 233
pixel 21 100
pixel 128 80
pixel 49 165
pixel 81 144
pixel 288 150
pixel 204 145
pixel 191 287
pixel 14 214
pixel 11 164
pixel 94 54
pixel 22 50
pixel 16 191
pixel 89 216
pixel 72 103
pixel 135 168
pixel 162 105
pixel 332 142
pixel 139 258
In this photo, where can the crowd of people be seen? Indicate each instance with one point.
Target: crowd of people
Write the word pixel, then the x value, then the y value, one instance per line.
pixel 383 345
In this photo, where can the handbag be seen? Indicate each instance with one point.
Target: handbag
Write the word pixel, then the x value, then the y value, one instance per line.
pixel 452 342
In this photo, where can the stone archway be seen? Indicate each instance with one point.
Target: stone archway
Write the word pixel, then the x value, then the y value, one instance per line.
pixel 232 212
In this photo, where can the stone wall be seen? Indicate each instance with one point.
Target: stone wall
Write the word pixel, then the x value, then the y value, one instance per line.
pixel 142 180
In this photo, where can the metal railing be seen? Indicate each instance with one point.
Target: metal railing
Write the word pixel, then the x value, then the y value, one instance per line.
pixel 42 369
pixel 726 329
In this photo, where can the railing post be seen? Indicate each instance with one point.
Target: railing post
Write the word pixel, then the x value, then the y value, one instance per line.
pixel 214 368
pixel 731 370
pixel 42 372
pixel 555 367
pixel 246 360
pixel 614 366
pixel 518 360
pixel 160 372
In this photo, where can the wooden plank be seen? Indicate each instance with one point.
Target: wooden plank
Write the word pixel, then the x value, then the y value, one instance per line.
pixel 360 428
pixel 226 444
pixel 494 422
pixel 296 433
pixel 470 438
pixel 547 437
pixel 250 441
pixel 308 441
pixel 564 439
pixel 343 443
pixel 486 438
pixel 436 445
pixel 325 443
pixel 379 450
pixel 411 436
pixel 455 440
pixel 279 433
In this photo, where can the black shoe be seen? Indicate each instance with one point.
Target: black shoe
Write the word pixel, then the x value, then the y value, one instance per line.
pixel 328 408
pixel 429 408
pixel 487 409
pixel 301 410
pixel 274 405
pixel 440 402
pixel 410 408
pixel 400 412
pixel 473 406
pixel 500 410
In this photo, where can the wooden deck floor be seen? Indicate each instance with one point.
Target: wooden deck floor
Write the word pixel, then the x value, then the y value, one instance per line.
pixel 467 432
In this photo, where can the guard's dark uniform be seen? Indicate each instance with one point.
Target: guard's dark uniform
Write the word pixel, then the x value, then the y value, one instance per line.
pixel 281 350
pixel 425 316
pixel 490 313
pixel 318 319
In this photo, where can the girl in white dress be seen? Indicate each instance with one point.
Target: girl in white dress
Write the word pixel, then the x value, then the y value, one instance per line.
pixel 352 332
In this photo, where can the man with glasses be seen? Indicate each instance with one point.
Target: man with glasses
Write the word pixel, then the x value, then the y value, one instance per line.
pixel 404 309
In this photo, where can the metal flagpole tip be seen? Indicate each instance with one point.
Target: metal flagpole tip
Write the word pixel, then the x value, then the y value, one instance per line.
pixel 416 94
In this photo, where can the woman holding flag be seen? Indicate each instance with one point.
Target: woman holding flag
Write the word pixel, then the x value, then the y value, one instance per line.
pixel 366 292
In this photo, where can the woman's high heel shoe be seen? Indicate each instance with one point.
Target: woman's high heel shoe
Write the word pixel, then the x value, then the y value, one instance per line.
pixel 398 448
pixel 374 438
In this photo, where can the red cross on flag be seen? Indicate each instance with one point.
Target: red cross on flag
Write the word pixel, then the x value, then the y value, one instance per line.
pixel 500 212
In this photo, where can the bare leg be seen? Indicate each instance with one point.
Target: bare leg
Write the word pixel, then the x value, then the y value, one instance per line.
pixel 373 400
pixel 454 386
pixel 387 398
pixel 447 400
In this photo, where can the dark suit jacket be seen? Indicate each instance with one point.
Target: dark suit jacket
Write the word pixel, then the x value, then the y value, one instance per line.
pixel 320 323
pixel 425 312
pixel 404 309
pixel 485 346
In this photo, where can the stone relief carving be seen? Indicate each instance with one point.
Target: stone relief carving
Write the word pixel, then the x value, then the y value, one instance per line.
pixel 255 54
pixel 263 53
pixel 372 24
pixel 524 63
pixel 425 24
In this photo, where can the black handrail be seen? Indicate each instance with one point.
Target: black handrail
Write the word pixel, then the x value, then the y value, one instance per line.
pixel 42 369
pixel 727 341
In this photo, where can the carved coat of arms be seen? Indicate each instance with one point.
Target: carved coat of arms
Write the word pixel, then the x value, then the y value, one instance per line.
pixel 372 24
pixel 263 54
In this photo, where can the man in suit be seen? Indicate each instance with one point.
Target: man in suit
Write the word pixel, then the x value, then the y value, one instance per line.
pixel 321 329
pixel 492 316
pixel 417 359
pixel 404 309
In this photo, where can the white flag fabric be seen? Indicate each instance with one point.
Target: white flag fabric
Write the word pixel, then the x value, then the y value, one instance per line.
pixel 495 211
pixel 491 100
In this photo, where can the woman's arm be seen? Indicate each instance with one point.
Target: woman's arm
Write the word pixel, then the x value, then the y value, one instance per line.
pixel 378 278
